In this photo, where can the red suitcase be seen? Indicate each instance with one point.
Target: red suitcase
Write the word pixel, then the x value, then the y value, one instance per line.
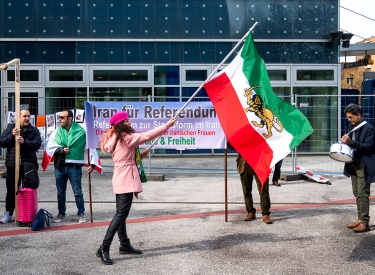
pixel 27 206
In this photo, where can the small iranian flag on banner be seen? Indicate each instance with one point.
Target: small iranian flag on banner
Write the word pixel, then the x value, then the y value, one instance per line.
pixel 260 126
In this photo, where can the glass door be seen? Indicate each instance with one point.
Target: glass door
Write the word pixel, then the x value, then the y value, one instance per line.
pixel 32 98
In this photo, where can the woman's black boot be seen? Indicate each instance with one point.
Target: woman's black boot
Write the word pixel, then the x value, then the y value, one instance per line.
pixel 104 256
pixel 127 248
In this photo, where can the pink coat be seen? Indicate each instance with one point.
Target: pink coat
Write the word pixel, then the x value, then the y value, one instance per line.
pixel 125 174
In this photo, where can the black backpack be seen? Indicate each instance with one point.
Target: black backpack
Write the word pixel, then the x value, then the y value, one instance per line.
pixel 29 177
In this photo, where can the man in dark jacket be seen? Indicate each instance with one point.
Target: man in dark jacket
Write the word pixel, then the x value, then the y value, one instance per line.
pixel 362 169
pixel 30 141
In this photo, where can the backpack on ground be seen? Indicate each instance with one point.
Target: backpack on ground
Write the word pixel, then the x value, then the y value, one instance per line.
pixel 41 218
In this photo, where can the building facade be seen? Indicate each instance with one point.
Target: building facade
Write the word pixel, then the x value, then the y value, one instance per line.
pixel 351 78
pixel 162 50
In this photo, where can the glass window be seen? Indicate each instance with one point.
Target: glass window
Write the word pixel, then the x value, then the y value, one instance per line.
pixel 25 75
pixel 29 99
pixel 320 106
pixel 120 75
pixel 167 75
pixel 58 99
pixel 277 75
pixel 312 75
pixel 65 75
pixel 283 93
pixel 187 92
pixel 120 93
pixel 196 75
pixel 167 94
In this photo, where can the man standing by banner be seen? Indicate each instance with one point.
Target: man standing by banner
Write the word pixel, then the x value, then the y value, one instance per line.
pixel 66 146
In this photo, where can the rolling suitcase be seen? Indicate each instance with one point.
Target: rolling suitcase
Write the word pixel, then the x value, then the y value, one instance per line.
pixel 27 206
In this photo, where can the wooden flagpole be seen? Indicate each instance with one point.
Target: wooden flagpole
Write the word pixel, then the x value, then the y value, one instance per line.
pixel 89 180
pixel 17 73
pixel 17 125
pixel 226 184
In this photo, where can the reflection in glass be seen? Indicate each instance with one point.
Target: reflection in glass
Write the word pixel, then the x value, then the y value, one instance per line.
pixel 58 99
pixel 312 75
pixel 26 98
pixel 167 75
pixel 25 75
pixel 277 75
pixel 283 93
pixel 167 94
pixel 187 92
pixel 65 75
pixel 321 110
pixel 120 75
pixel 196 75
pixel 120 94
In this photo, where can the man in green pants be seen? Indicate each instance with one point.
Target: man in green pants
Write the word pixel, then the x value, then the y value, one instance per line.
pixel 247 175
pixel 362 169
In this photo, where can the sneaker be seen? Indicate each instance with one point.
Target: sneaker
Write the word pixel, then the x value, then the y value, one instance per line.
pixel 59 218
pixel 82 218
pixel 7 217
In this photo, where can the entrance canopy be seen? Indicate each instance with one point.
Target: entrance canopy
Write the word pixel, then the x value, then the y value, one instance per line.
pixel 358 50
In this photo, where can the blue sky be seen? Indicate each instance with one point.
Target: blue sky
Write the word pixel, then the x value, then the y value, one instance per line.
pixel 355 23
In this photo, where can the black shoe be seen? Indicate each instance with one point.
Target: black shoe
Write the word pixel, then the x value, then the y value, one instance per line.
pixel 104 256
pixel 276 183
pixel 128 249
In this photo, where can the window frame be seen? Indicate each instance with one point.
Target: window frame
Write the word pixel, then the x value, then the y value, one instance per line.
pixel 185 68
pixel 297 68
pixel 26 83
pixel 148 68
pixel 50 83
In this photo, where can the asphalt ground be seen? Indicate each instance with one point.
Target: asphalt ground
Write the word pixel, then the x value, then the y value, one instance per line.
pixel 180 226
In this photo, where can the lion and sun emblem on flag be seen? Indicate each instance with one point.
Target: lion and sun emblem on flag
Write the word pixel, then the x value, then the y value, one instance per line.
pixel 267 118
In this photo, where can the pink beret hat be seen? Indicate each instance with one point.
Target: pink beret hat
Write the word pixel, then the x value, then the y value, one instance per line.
pixel 118 117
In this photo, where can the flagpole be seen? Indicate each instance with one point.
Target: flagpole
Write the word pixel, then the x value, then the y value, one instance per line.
pixel 89 182
pixel 226 185
pixel 214 71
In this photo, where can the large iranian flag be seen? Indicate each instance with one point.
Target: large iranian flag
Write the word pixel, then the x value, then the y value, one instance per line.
pixel 260 126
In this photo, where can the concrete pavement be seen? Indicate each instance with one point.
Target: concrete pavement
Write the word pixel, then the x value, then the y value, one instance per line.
pixel 180 227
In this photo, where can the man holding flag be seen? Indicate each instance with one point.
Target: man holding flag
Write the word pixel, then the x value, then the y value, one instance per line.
pixel 66 146
pixel 261 127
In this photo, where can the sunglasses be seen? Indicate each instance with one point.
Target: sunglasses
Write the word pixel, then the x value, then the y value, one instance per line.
pixel 62 117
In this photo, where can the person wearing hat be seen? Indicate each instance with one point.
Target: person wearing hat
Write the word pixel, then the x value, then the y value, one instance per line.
pixel 122 141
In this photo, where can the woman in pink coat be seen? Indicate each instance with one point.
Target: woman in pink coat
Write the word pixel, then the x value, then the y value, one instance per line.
pixel 121 140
